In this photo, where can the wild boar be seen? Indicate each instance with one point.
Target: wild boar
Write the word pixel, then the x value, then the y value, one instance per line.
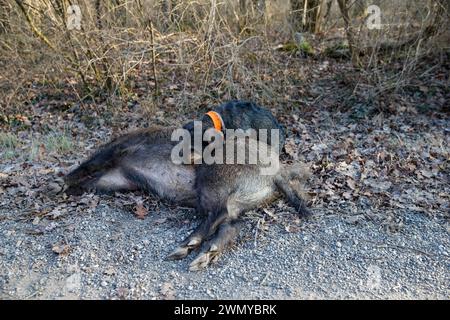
pixel 140 160
pixel 237 114
pixel 226 191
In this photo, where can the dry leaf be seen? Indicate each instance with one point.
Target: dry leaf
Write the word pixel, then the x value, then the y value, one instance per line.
pixel 61 249
pixel 351 183
pixel 292 229
pixel 141 211
pixel 426 173
pixel 347 195
pixel 42 151
pixel 290 148
pixel 161 220
pixel 167 291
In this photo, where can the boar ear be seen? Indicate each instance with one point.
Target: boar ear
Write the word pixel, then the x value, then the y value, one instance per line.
pixel 207 122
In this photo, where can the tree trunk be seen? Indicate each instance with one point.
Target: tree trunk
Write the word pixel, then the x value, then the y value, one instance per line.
pixel 259 6
pixel 243 15
pixel 243 7
pixel 169 8
pixel 296 14
pixel 307 15
pixel 343 7
pixel 323 8
pixel 359 8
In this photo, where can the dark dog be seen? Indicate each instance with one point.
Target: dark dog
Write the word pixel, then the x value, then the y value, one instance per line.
pixel 242 115
pixel 226 191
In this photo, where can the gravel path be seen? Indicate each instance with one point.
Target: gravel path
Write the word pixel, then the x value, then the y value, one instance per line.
pixel 111 254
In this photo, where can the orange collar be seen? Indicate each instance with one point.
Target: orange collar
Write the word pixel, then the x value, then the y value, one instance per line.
pixel 217 120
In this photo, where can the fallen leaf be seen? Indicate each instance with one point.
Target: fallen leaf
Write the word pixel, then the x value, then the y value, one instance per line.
pixel 290 148
pixel 61 249
pixel 167 291
pixel 41 151
pixel 426 173
pixel 141 211
pixel 110 271
pixel 351 183
pixel 347 195
pixel 161 220
pixel 292 229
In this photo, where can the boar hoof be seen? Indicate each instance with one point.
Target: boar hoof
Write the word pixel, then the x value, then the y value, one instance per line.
pixel 201 262
pixel 194 243
pixel 178 253
pixel 205 258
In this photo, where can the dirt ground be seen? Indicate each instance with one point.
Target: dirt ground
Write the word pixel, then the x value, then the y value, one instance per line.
pixel 376 232
pixel 112 255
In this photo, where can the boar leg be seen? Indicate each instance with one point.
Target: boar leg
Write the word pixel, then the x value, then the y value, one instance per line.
pixel 114 180
pixel 104 183
pixel 195 239
pixel 223 238
pixel 293 196
pixel 207 227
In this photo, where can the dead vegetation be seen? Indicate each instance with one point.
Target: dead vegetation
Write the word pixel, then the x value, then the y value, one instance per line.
pixel 186 53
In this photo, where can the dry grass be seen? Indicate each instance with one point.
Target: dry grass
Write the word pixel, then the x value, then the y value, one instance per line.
pixel 200 51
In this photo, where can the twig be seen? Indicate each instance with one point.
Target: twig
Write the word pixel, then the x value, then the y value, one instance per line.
pixel 394 246
pixel 152 43
pixel 35 30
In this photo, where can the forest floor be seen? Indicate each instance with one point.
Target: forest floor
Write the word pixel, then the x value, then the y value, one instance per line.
pixel 380 195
